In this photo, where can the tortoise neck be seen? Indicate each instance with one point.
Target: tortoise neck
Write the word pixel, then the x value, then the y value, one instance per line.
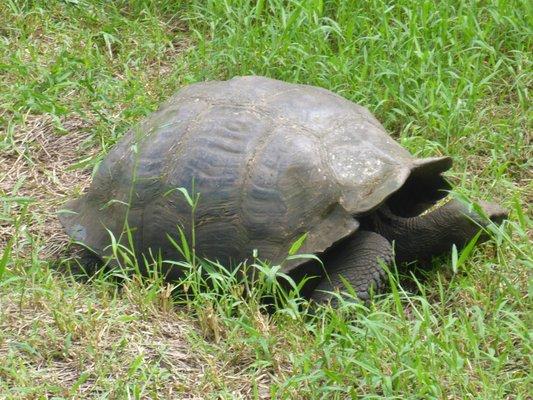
pixel 420 237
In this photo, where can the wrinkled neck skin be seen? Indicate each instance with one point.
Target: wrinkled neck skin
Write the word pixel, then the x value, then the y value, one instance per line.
pixel 422 237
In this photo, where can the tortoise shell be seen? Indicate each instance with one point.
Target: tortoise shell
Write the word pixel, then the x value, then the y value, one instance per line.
pixel 271 161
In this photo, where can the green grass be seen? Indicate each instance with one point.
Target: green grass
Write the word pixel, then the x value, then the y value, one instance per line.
pixel 449 77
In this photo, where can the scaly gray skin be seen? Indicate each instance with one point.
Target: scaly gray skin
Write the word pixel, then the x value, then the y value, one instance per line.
pixel 359 259
pixel 358 262
pixel 420 238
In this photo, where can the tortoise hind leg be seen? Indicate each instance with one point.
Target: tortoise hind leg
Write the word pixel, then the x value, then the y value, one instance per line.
pixel 358 262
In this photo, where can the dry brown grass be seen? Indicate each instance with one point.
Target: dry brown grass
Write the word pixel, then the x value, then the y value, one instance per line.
pixel 70 334
pixel 36 166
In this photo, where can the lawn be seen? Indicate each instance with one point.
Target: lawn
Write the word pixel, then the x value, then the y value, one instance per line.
pixel 445 78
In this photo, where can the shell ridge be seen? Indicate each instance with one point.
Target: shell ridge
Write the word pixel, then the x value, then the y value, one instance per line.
pixel 166 165
pixel 183 139
pixel 248 166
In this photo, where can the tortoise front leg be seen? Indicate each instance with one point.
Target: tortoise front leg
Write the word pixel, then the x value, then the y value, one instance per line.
pixel 357 260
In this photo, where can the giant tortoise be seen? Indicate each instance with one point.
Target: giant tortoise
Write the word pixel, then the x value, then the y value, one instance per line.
pixel 273 161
